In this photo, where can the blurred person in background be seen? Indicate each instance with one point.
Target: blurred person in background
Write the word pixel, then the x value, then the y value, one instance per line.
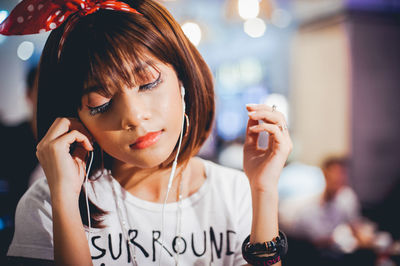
pixel 18 164
pixel 338 204
pixel 329 225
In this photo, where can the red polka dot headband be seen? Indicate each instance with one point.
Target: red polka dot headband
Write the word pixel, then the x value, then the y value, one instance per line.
pixel 37 16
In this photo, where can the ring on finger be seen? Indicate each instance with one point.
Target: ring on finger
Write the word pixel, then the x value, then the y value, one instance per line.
pixel 273 108
pixel 283 128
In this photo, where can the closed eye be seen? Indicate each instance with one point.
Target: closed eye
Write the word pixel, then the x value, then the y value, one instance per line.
pixel 99 109
pixel 104 107
pixel 151 85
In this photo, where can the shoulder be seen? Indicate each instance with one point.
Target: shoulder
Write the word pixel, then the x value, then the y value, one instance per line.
pixel 33 236
pixel 37 196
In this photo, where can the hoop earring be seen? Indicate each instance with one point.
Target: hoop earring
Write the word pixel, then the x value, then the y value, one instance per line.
pixel 187 125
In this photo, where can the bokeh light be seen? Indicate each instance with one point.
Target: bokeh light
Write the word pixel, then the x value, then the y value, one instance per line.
pixel 229 124
pixel 255 27
pixel 251 71
pixel 281 18
pixel 25 50
pixel 3 15
pixel 248 8
pixel 193 31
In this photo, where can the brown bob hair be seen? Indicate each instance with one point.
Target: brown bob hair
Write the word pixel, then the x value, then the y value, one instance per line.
pixel 108 49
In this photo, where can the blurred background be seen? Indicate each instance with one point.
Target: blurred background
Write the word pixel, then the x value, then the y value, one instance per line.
pixel 331 66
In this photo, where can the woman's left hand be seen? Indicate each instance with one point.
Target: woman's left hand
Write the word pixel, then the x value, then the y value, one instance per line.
pixel 263 166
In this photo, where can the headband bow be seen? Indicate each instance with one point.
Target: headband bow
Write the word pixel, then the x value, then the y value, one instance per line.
pixel 37 16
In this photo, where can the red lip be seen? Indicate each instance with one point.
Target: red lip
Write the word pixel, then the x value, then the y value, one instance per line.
pixel 146 140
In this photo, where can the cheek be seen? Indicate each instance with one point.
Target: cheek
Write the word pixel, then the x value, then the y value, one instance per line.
pixel 109 142
pixel 104 138
pixel 96 128
pixel 172 109
pixel 167 104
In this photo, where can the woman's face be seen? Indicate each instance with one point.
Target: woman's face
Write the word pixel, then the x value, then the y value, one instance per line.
pixel 141 125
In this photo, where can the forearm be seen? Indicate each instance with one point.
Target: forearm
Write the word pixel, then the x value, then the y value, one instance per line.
pixel 70 242
pixel 263 168
pixel 265 216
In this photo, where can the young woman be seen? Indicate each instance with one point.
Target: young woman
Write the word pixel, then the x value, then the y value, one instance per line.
pixel 120 84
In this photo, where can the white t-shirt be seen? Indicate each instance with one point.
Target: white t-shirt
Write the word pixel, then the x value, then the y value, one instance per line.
pixel 214 222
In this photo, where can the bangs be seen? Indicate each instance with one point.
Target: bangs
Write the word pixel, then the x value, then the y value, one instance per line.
pixel 111 69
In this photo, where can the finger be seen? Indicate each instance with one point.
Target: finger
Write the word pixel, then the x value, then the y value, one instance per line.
pixel 59 127
pixel 251 137
pixel 76 136
pixel 81 154
pixel 271 129
pixel 256 107
pixel 279 116
pixel 62 125
pixel 266 116
pixel 78 125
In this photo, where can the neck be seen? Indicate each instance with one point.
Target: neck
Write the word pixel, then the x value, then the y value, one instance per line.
pixel 150 184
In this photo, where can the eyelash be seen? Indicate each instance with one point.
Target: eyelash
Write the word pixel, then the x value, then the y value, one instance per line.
pixel 104 107
pixel 100 109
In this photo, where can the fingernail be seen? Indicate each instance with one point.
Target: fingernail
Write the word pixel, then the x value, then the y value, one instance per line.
pixel 253 127
pixel 251 105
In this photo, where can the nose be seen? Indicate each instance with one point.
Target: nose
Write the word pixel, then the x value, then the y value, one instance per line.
pixel 133 111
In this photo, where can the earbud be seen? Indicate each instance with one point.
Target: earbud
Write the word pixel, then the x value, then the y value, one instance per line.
pixel 183 99
pixel 183 92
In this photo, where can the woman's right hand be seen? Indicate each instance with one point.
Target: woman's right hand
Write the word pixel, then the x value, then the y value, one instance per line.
pixel 65 172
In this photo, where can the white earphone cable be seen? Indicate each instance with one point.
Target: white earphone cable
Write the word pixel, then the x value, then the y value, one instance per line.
pixel 86 192
pixel 171 177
